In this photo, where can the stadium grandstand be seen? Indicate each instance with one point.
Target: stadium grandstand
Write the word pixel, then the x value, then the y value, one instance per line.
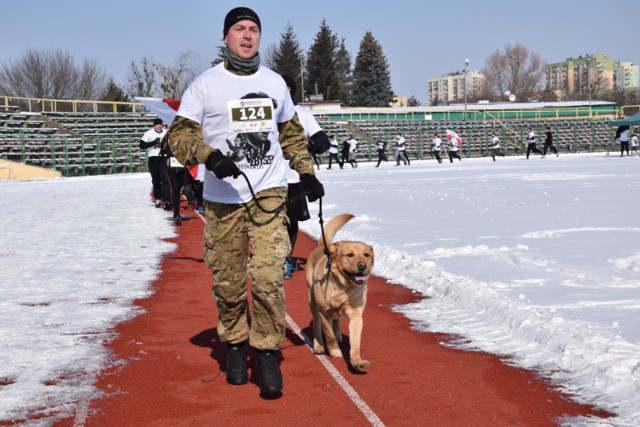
pixel 96 137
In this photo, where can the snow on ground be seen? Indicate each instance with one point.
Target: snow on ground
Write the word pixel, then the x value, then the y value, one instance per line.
pixel 535 260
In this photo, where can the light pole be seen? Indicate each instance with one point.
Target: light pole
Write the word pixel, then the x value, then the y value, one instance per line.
pixel 466 64
pixel 589 58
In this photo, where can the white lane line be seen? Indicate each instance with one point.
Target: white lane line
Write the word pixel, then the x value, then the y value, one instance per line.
pixel 82 411
pixel 337 376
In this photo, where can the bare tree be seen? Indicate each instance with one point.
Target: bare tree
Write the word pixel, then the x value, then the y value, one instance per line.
pixel 91 81
pixel 154 79
pixel 142 79
pixel 176 78
pixel 516 70
pixel 51 74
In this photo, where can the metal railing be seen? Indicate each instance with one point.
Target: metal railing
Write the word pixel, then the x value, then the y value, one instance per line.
pixel 37 105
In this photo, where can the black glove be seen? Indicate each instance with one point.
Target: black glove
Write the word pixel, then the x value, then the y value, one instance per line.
pixel 319 143
pixel 312 187
pixel 221 165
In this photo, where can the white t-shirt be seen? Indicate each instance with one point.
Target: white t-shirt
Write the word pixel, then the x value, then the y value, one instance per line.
pixel 531 137
pixel 634 141
pixel 495 142
pixel 311 127
pixel 244 128
pixel 202 170
pixel 624 135
pixel 308 122
pixel 152 135
pixel 453 144
pixel 437 144
pixel 400 143
pixel 353 145
pixel 334 146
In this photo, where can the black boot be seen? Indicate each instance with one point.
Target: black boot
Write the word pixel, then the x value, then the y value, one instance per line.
pixel 236 364
pixel 270 375
pixel 177 219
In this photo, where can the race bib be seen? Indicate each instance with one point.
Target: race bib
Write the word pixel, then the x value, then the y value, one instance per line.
pixel 251 115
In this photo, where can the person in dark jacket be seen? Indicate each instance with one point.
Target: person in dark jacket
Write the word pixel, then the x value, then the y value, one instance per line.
pixel 381 146
pixel 178 179
pixel 548 142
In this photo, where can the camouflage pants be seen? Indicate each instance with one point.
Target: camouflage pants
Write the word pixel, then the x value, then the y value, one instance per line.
pixel 243 240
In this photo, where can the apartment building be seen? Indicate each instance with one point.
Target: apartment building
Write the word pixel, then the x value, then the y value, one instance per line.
pixel 584 74
pixel 450 88
pixel 627 76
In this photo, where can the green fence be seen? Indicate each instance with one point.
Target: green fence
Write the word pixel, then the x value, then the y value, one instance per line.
pixel 77 156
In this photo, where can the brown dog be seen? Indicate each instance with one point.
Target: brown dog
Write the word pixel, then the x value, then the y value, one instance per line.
pixel 338 287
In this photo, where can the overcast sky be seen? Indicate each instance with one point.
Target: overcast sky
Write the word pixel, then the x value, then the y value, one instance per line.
pixel 420 40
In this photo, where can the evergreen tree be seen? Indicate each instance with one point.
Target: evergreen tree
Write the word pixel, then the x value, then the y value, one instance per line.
pixel 413 102
pixel 287 58
pixel 320 66
pixel 371 76
pixel 342 85
pixel 114 93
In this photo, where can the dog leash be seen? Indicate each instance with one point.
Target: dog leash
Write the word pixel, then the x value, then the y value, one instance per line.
pixel 256 198
pixel 324 240
pixel 321 220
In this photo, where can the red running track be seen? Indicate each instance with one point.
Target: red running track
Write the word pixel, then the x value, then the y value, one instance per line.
pixel 171 375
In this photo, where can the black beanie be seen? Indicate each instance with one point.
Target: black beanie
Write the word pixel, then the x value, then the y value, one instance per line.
pixel 239 14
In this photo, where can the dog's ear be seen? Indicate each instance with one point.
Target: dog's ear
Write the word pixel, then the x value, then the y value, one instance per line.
pixel 372 253
pixel 334 249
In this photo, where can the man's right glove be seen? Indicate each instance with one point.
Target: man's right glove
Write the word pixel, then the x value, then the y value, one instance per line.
pixel 312 187
pixel 221 165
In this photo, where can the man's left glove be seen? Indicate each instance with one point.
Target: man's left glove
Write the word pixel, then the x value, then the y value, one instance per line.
pixel 312 187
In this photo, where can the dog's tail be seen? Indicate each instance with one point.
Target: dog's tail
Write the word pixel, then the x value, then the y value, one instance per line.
pixel 332 228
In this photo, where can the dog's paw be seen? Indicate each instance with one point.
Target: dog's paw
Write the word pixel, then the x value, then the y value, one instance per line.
pixel 360 365
pixel 318 349
pixel 335 352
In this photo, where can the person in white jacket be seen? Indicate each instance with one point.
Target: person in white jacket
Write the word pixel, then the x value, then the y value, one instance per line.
pixel 531 142
pixel 353 151
pixel 495 147
pixel 401 151
pixel 436 147
pixel 151 141
pixel 454 149
pixel 634 144
pixel 333 151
